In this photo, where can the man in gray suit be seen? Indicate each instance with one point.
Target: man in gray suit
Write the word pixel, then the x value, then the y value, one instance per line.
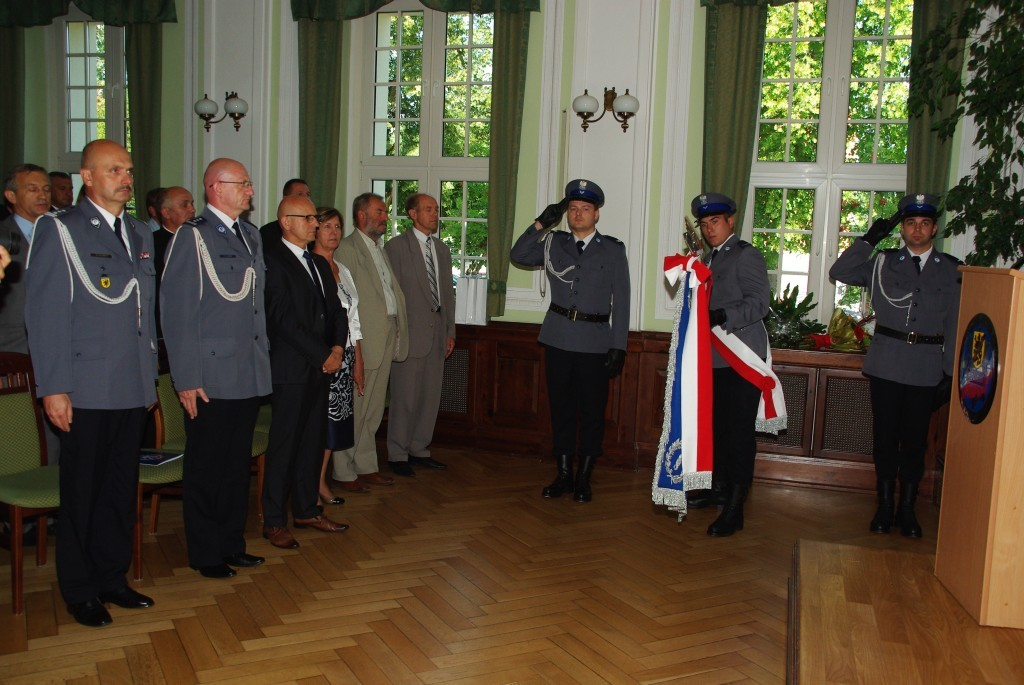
pixel 382 317
pixel 89 311
pixel 215 331
pixel 584 332
pixel 740 298
pixel 423 267
pixel 27 189
pixel 915 292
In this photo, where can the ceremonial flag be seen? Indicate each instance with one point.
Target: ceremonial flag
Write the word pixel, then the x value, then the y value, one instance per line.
pixel 685 451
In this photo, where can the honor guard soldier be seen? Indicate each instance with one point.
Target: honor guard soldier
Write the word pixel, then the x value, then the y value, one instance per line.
pixel 915 292
pixel 739 301
pixel 92 336
pixel 584 331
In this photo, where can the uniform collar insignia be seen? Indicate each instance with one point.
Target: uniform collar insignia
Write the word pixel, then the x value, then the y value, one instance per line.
pixel 95 222
pixel 221 229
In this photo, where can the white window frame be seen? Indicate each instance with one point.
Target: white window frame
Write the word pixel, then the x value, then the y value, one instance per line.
pixel 430 168
pixel 68 159
pixel 830 175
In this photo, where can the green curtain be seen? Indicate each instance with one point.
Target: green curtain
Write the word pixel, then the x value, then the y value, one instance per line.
pixel 511 38
pixel 144 62
pixel 332 10
pixel 117 12
pixel 929 156
pixel 12 114
pixel 733 55
pixel 320 77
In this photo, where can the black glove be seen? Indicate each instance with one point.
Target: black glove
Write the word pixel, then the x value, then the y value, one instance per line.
pixel 551 215
pixel 942 391
pixel 882 228
pixel 616 360
pixel 716 317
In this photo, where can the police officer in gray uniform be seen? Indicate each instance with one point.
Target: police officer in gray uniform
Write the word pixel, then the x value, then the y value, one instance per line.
pixel 915 292
pixel 91 333
pixel 740 297
pixel 584 331
pixel 215 330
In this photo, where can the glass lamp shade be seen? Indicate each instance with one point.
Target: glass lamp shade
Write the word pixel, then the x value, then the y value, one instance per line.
pixel 585 104
pixel 206 107
pixel 626 103
pixel 236 105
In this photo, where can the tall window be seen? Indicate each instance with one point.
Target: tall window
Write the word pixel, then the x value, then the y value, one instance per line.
pixel 832 137
pixel 95 88
pixel 430 121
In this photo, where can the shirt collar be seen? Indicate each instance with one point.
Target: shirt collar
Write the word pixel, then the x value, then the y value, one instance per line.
pixel 295 249
pixel 228 221
pixel 24 225
pixel 107 215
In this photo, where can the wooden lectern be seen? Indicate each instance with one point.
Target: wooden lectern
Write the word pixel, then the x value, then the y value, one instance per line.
pixel 979 556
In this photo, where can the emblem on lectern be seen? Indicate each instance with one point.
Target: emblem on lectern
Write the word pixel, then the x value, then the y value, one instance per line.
pixel 978 368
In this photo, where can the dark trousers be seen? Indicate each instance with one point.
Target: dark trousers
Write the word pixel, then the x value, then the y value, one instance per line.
pixel 295 451
pixel 216 478
pixel 577 393
pixel 99 475
pixel 900 417
pixel 734 415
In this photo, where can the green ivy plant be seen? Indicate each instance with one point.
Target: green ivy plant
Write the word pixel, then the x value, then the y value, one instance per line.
pixel 991 197
pixel 787 321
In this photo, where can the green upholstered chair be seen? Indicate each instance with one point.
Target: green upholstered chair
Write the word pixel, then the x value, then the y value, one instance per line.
pixel 28 487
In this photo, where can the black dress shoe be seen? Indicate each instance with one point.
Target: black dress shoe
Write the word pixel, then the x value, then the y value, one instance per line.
pixel 243 560
pixel 127 598
pixel 215 571
pixel 428 462
pixel 90 613
pixel 333 500
pixel 401 468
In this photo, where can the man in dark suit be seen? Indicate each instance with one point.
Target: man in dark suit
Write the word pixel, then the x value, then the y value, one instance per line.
pixel 293 187
pixel 915 292
pixel 216 337
pixel 307 327
pixel 585 329
pixel 27 189
pixel 175 206
pixel 423 267
pixel 95 362
pixel 740 297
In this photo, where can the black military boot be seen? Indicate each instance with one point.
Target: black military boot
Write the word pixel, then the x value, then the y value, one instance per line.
pixel 886 503
pixel 717 496
pixel 563 481
pixel 582 491
pixel 909 527
pixel 731 518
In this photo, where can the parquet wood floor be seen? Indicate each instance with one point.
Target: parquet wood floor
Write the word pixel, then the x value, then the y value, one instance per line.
pixel 465 576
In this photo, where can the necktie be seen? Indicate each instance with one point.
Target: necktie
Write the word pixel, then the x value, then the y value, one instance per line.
pixel 238 232
pixel 917 262
pixel 714 253
pixel 120 236
pixel 579 246
pixel 312 271
pixel 432 277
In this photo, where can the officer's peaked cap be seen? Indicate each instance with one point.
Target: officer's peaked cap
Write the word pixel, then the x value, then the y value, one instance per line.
pixel 707 204
pixel 919 204
pixel 587 191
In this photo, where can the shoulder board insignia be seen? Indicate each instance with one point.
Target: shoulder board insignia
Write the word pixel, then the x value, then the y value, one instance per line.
pixel 61 212
pixel 196 221
pixel 956 261
pixel 612 239
pixel 743 243
pixel 890 250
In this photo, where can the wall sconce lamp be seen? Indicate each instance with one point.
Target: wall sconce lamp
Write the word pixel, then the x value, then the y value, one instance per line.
pixel 622 107
pixel 234 107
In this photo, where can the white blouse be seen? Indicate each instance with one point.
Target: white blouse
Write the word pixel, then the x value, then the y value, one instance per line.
pixel 350 301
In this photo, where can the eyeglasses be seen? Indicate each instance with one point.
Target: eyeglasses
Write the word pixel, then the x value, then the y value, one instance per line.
pixel 247 185
pixel 310 218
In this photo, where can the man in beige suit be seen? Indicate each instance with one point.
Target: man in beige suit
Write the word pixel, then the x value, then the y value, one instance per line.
pixel 385 337
pixel 423 265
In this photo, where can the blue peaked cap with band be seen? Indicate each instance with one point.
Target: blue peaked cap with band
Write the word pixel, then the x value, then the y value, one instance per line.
pixel 919 204
pixel 707 204
pixel 587 191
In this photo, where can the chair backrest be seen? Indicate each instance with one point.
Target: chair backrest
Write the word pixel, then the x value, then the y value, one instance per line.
pixel 172 435
pixel 23 446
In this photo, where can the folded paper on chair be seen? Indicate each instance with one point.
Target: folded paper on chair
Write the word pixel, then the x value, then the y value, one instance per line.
pixel 156 457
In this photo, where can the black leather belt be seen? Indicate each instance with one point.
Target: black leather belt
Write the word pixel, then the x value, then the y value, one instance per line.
pixel 574 315
pixel 910 338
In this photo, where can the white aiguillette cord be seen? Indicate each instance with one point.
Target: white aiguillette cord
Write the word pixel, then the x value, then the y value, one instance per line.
pixel 247 284
pixel 545 238
pixel 876 277
pixel 73 260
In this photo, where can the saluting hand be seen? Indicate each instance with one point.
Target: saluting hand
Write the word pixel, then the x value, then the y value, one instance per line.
pixel 881 228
